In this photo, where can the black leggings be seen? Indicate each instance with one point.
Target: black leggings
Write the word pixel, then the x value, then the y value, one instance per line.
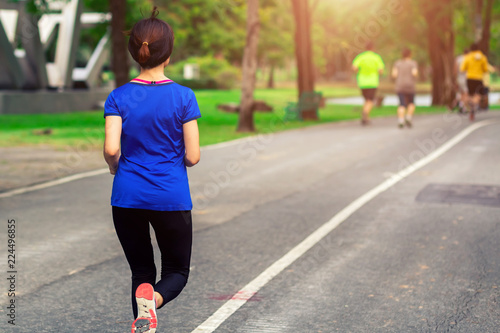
pixel 174 236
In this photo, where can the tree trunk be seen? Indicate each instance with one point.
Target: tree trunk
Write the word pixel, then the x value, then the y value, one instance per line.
pixel 119 52
pixel 486 31
pixel 478 20
pixel 303 52
pixel 270 81
pixel 438 15
pixel 245 121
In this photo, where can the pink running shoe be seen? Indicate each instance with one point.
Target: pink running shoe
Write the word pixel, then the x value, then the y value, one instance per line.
pixel 146 321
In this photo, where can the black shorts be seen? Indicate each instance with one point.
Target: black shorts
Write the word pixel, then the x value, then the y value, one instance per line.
pixel 369 94
pixel 475 87
pixel 406 98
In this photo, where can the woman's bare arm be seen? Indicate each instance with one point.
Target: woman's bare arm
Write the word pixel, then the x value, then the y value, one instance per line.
pixel 113 132
pixel 191 142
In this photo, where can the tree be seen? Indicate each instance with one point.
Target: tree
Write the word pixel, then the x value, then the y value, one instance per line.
pixel 478 19
pixel 441 45
pixel 303 51
pixel 486 28
pixel 245 121
pixel 119 52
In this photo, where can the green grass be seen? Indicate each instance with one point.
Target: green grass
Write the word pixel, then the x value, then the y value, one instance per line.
pixel 86 129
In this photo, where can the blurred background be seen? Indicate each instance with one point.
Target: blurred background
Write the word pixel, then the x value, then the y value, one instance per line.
pixel 60 59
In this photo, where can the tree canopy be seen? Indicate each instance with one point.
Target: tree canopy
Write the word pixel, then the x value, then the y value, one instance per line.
pixel 339 29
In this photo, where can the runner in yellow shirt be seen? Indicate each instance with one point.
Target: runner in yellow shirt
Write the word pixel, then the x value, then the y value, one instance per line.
pixel 368 65
pixel 475 65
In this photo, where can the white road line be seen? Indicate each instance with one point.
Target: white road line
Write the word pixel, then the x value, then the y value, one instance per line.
pixel 53 183
pixel 242 296
pixel 229 143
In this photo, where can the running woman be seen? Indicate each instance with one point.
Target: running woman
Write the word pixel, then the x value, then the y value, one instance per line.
pixel 368 65
pixel 475 65
pixel 154 121
pixel 405 71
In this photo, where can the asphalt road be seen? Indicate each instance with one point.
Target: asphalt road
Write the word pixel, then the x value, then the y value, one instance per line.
pixel 421 256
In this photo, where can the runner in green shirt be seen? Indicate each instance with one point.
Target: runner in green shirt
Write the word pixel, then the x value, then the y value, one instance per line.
pixel 368 65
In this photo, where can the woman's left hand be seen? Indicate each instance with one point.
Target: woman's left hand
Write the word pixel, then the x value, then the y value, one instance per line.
pixel 112 170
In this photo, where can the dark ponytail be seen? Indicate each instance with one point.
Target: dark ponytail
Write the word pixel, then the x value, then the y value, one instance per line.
pixel 151 41
pixel 144 53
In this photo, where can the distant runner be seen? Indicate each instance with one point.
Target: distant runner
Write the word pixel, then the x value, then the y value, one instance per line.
pixel 484 105
pixel 475 65
pixel 368 65
pixel 462 91
pixel 405 71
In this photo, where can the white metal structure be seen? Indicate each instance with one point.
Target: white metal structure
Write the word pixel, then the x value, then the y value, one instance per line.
pixel 27 67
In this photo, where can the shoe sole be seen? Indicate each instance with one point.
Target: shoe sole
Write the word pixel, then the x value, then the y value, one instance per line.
pixel 147 322
pixel 141 325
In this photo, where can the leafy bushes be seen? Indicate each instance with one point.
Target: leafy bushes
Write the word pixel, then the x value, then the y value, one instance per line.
pixel 214 73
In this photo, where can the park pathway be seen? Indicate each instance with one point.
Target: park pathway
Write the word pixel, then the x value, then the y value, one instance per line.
pixel 392 100
pixel 420 256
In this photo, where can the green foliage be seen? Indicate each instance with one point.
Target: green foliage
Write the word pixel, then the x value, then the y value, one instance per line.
pixel 35 7
pixel 206 27
pixel 276 34
pixel 214 73
pixel 463 19
pixel 495 34
pixel 340 28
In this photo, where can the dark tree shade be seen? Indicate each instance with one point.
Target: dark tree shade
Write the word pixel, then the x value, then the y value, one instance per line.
pixel 119 56
pixel 303 51
pixel 245 122
pixel 486 30
pixel 441 44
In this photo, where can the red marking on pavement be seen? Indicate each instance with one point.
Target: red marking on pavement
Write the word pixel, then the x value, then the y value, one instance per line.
pixel 240 296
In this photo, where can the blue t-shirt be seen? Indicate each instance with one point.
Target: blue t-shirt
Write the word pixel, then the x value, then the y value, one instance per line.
pixel 151 171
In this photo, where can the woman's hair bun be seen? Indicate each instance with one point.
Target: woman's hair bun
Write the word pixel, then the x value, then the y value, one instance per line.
pixel 151 41
pixel 155 12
